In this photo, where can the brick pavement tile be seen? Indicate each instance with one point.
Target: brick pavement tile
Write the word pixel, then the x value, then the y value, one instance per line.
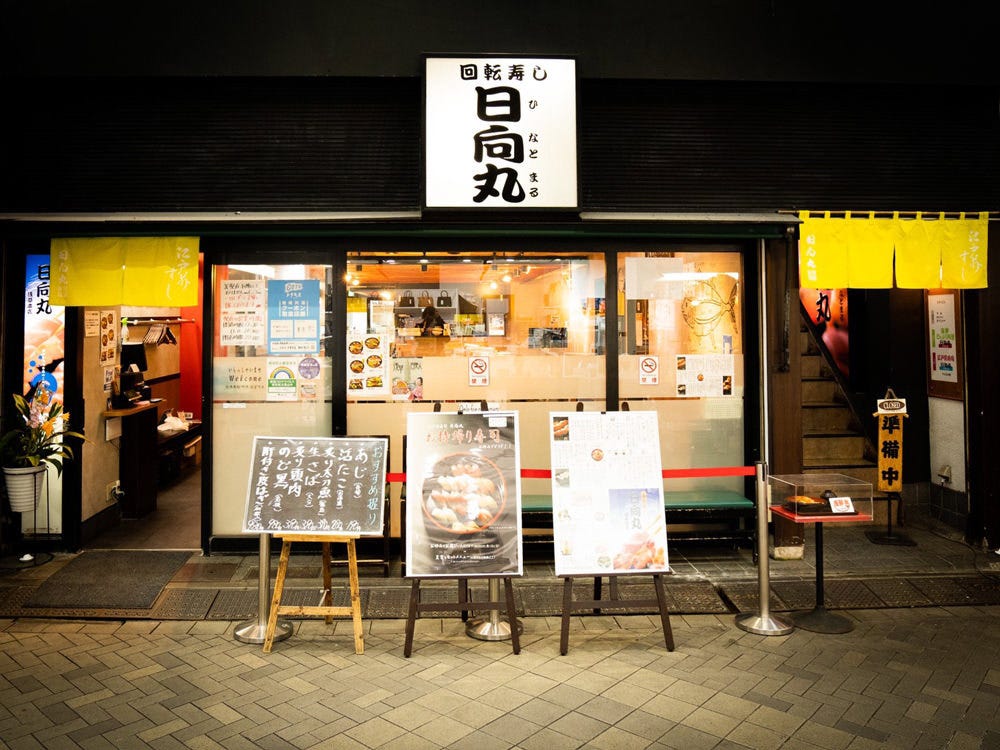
pixel 646 724
pixel 687 738
pixel 672 709
pixel 579 725
pixel 861 730
pixel 374 732
pixel 445 730
pixel 688 692
pixel 823 736
pixel 481 741
pixel 511 729
pixel 756 736
pixel 566 695
pixel 546 739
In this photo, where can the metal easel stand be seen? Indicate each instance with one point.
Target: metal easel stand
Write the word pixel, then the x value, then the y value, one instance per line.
pixel 492 627
pixel 763 622
pixel 255 631
pixel 887 537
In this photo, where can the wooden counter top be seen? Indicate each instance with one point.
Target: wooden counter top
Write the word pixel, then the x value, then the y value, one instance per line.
pixel 129 411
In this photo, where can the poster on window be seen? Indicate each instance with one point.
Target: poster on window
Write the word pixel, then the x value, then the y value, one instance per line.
pixel 367 359
pixel 243 312
pixel 293 316
pixel 944 344
pixel 607 493
pixel 463 495
pixel 704 375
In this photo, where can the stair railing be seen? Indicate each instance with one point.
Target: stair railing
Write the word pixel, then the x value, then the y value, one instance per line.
pixel 860 412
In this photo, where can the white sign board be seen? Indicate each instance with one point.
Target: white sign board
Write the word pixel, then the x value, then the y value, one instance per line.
pixel 607 493
pixel 500 132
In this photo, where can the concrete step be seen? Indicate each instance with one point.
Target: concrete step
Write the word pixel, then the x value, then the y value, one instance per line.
pixel 814 366
pixel 826 418
pixel 866 471
pixel 833 446
pixel 820 390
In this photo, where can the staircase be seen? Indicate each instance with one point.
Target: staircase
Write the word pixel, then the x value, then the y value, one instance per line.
pixel 832 440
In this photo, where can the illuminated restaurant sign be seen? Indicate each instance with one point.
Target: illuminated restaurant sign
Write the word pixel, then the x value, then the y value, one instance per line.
pixel 500 132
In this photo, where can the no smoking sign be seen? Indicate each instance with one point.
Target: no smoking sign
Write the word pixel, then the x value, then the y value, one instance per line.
pixel 649 370
pixel 479 370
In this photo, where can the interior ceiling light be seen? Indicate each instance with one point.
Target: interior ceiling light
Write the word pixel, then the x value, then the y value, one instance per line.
pixel 505 278
pixel 424 260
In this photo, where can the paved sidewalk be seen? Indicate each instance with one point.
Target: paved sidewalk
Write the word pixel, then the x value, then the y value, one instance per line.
pixel 904 678
pixel 923 674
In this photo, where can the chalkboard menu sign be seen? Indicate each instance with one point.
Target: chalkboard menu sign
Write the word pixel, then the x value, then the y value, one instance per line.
pixel 316 485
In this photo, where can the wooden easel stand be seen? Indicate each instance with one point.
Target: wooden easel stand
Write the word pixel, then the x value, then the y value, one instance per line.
pixel 463 605
pixel 325 607
pixel 570 605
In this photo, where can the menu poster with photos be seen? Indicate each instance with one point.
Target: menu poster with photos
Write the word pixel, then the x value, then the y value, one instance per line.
pixel 705 375
pixel 463 490
pixel 607 493
pixel 293 316
pixel 313 485
pixel 109 338
pixel 243 312
pixel 367 365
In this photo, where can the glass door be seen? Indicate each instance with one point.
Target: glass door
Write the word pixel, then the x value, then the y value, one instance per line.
pixel 271 370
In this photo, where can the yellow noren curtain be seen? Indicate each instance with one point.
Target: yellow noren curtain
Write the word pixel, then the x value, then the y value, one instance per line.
pixel 918 253
pixel 822 252
pixel 869 253
pixel 148 271
pixel 963 253
pixel 861 253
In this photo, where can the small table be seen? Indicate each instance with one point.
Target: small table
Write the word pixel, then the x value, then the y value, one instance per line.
pixel 820 619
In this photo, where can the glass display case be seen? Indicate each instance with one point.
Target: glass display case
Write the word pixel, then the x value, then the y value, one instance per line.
pixel 826 498
pixel 819 499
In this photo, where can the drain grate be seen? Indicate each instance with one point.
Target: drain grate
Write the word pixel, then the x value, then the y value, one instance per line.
pixel 745 597
pixel 184 604
pixel 897 592
pixel 851 594
pixel 943 591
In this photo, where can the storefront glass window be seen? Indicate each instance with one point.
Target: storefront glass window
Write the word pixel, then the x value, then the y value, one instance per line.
pixel 271 369
pixel 681 355
pixel 524 332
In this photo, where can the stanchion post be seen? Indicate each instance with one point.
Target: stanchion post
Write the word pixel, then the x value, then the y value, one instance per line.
pixel 254 631
pixel 762 622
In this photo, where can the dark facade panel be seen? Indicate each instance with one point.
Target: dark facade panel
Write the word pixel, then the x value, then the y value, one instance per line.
pixel 323 144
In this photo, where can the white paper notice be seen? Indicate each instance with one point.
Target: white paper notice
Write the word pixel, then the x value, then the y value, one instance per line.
pixel 607 493
pixel 705 375
pixel 243 312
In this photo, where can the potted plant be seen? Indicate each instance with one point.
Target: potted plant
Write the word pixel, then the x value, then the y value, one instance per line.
pixel 37 442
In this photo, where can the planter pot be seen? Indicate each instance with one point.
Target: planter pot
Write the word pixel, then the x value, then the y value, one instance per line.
pixel 24 487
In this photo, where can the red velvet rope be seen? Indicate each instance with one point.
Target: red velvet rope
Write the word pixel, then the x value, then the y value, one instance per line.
pixel 721 471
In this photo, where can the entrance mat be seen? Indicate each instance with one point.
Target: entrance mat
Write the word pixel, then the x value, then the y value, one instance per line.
pixel 109 579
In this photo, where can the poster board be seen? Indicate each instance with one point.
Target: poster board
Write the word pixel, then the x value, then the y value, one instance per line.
pixel 607 493
pixel 463 490
pixel 943 319
pixel 316 485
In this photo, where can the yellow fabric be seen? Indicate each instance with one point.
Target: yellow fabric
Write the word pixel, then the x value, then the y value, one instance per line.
pixel 918 253
pixel 869 252
pixel 963 253
pixel 86 272
pixel 160 271
pixel 147 271
pixel 822 252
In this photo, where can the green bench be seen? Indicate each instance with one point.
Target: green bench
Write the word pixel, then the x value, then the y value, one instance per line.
pixel 692 516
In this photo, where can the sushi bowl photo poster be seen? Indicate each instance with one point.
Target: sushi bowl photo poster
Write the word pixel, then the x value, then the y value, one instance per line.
pixel 463 495
pixel 607 494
